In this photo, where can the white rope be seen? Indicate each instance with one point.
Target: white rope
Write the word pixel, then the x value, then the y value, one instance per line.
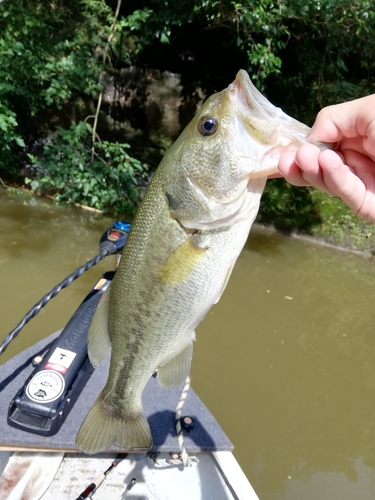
pixel 184 456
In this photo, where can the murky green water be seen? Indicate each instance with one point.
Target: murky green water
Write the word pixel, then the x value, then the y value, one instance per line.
pixel 285 361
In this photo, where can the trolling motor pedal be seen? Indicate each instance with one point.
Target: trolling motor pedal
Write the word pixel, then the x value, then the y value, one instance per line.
pixel 43 403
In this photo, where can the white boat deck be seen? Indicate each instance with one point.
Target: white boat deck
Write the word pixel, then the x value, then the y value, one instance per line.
pixel 212 476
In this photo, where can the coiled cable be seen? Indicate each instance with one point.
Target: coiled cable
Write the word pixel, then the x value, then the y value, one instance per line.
pixel 44 300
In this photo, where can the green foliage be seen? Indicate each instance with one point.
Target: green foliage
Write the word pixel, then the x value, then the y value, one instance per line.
pixel 261 33
pixel 340 226
pixel 304 55
pixel 319 48
pixel 9 139
pixel 329 57
pixel 7 125
pixel 311 212
pixel 288 208
pixel 106 179
pixel 252 27
pixel 52 51
pixel 48 50
pixel 47 53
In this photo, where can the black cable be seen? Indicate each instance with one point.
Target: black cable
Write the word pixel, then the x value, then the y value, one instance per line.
pixel 38 306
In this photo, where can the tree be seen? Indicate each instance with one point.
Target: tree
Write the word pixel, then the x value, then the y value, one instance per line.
pixel 303 55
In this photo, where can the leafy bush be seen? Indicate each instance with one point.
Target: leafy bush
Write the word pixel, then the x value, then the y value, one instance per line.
pixel 329 56
pixel 106 179
pixel 50 52
pixel 254 28
pixel 9 138
pixel 47 53
pixel 288 208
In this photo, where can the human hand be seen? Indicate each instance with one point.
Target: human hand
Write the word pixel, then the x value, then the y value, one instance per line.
pixel 347 172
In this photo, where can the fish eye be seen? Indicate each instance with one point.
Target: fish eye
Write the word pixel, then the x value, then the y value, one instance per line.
pixel 208 126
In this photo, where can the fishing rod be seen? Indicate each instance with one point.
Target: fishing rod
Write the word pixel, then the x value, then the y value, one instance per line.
pixel 91 488
pixel 127 489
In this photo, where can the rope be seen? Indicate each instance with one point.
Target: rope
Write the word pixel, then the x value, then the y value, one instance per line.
pixel 184 455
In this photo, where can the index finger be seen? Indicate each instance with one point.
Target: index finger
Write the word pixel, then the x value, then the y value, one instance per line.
pixel 348 119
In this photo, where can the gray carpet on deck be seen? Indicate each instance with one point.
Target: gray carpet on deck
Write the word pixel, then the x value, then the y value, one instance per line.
pixel 159 407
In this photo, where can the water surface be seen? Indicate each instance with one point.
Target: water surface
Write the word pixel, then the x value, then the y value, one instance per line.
pixel 285 361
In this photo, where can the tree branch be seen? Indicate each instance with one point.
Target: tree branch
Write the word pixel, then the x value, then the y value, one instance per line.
pixel 100 98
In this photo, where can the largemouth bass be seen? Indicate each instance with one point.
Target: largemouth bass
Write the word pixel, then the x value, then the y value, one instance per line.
pixel 184 241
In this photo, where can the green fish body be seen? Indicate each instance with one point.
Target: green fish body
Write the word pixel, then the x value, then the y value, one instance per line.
pixel 184 241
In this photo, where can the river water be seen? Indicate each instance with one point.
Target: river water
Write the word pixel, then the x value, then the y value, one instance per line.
pixel 285 361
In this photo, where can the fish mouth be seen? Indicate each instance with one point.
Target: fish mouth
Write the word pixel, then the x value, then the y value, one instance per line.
pixel 271 130
pixel 260 107
pixel 281 127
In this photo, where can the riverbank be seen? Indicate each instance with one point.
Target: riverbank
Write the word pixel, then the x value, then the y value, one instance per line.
pixel 310 213
pixel 332 222
pixel 340 227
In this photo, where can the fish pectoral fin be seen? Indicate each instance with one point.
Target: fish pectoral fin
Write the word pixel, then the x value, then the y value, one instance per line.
pixel 98 339
pixel 181 263
pixel 175 371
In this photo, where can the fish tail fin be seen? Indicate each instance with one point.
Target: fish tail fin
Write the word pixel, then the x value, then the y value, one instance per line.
pixel 102 428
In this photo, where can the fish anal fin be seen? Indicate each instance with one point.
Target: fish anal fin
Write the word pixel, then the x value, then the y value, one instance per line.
pixel 98 339
pixel 102 428
pixel 181 263
pixel 174 372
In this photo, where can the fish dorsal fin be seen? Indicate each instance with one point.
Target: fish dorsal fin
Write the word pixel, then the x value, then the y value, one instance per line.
pixel 174 372
pixel 181 263
pixel 98 339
